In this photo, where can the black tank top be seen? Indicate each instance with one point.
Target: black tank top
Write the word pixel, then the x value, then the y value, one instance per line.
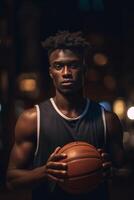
pixel 57 130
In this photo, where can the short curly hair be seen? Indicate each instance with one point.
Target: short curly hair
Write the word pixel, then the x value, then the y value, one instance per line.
pixel 67 40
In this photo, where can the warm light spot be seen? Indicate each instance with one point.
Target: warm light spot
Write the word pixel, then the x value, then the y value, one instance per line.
pixel 28 85
pixel 4 80
pixel 119 107
pixel 100 59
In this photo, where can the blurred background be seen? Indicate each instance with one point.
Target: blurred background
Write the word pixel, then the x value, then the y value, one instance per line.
pixel 24 80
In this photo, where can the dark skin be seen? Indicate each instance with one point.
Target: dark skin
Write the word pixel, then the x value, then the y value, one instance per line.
pixel 67 71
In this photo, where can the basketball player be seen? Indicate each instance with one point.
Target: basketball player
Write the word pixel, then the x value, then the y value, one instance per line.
pixel 66 117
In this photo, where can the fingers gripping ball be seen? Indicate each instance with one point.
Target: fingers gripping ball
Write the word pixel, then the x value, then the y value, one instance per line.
pixel 84 167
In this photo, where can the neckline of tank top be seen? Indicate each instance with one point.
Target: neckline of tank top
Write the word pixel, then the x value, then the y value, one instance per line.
pixel 68 118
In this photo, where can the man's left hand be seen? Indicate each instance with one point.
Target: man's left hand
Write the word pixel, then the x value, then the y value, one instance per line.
pixel 107 164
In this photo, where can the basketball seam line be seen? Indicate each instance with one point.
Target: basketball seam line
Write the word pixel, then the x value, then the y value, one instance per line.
pixel 81 157
pixel 83 175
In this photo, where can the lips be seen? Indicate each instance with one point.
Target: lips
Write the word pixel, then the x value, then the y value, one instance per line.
pixel 67 82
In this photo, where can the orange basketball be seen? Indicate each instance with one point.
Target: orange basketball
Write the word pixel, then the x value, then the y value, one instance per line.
pixel 84 167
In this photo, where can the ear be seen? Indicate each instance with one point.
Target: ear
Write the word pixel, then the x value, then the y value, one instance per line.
pixel 50 72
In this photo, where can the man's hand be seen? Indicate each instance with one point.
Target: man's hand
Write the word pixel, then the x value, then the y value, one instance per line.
pixel 56 171
pixel 107 164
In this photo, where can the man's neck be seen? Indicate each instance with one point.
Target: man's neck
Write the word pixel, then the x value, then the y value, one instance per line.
pixel 70 105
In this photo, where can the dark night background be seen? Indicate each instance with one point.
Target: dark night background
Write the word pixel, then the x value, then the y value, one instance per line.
pixel 107 24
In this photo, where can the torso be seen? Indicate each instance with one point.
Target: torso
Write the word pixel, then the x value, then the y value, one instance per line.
pixel 57 130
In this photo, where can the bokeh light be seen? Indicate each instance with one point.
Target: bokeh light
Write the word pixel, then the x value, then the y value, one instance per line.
pixel 106 105
pixel 130 113
pixel 109 82
pixel 100 59
pixel 119 107
pixel 28 85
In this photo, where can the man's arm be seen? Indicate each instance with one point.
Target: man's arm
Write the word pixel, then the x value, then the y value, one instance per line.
pixel 114 139
pixel 19 173
pixel 22 153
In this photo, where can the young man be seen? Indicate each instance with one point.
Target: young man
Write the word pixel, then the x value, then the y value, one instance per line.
pixel 66 117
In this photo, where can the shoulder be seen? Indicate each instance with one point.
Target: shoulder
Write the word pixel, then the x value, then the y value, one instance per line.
pixel 94 105
pixel 26 125
pixel 28 116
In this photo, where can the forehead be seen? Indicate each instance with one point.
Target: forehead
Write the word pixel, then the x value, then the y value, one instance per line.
pixel 63 55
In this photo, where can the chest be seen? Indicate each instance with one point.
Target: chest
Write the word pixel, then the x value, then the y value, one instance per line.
pixel 59 131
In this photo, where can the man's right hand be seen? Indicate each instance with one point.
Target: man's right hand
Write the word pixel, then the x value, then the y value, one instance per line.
pixel 56 171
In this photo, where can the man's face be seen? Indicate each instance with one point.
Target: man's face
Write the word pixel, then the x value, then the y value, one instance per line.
pixel 66 70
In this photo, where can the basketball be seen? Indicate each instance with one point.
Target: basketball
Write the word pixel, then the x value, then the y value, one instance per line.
pixel 84 171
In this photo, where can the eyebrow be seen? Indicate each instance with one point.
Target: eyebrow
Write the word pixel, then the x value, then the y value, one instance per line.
pixel 73 61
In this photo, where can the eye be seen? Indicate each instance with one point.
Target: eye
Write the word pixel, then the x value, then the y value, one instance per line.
pixel 57 66
pixel 75 65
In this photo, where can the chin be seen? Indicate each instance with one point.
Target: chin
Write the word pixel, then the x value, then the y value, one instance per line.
pixel 67 92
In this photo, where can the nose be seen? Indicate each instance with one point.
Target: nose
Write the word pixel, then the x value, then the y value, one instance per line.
pixel 66 71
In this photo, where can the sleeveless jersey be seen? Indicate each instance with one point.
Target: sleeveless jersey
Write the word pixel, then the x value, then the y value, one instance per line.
pixel 55 129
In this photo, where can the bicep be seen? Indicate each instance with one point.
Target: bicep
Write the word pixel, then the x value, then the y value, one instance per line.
pixel 22 153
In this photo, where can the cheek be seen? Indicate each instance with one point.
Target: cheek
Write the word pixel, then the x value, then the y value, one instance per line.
pixel 55 78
